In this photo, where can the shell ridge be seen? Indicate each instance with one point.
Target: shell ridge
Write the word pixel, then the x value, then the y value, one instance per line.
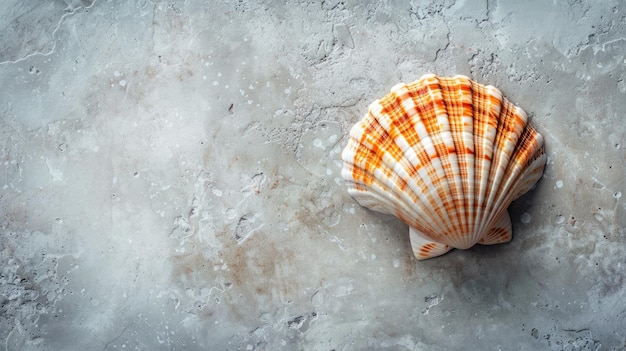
pixel 486 102
pixel 379 196
pixel 372 179
pixel 457 96
pixel 525 171
pixel 526 162
pixel 430 108
pixel 418 160
pixel 528 167
pixel 401 97
pixel 534 165
pixel 419 153
pixel 511 124
pixel 468 150
pixel 370 150
pixel 444 111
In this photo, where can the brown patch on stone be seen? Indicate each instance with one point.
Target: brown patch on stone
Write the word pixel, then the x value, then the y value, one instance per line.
pixel 261 273
pixel 251 276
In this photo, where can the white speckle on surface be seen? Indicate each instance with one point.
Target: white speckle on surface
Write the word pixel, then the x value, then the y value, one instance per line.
pixel 560 219
pixel 351 209
pixel 598 216
pixel 283 226
pixel 525 218
pixel 122 83
pixel 559 184
pixel 343 35
pixel 431 301
pixel 216 191
pixel 55 172
pixel 231 213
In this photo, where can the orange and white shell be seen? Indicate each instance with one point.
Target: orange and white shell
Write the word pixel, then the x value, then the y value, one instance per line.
pixel 446 155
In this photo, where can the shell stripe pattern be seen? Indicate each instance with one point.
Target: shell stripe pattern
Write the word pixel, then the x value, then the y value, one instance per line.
pixel 447 156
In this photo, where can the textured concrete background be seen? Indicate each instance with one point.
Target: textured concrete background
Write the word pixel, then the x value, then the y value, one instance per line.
pixel 171 177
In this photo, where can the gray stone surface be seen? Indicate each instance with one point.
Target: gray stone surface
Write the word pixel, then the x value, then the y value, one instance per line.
pixel 171 177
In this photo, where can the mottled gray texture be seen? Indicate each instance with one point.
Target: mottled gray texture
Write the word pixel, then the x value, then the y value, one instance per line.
pixel 171 177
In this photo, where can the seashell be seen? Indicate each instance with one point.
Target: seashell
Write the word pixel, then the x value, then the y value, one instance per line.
pixel 447 156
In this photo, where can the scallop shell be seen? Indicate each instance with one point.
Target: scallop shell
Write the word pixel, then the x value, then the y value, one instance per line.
pixel 446 155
